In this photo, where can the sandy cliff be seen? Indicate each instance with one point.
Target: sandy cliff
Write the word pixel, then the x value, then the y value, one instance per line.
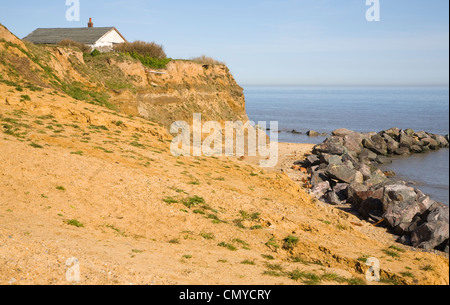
pixel 183 88
pixel 124 84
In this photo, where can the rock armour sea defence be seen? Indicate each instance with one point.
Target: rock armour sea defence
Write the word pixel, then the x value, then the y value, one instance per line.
pixel 344 170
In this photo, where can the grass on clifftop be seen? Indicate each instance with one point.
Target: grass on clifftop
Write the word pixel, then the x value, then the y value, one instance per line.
pixel 150 54
pixel 150 62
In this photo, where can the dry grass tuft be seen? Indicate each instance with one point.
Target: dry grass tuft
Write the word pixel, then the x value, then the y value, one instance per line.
pixel 73 44
pixel 205 60
pixel 147 49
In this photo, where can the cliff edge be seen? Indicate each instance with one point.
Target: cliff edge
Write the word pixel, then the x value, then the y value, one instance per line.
pixel 124 84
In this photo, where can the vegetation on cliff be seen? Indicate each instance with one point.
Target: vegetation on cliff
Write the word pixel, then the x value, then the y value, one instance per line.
pixel 122 81
pixel 149 54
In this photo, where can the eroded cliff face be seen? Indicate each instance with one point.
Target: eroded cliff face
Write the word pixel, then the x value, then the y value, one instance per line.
pixel 180 90
pixel 124 84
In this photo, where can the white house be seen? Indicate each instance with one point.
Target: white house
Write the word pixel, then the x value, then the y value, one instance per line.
pixel 102 39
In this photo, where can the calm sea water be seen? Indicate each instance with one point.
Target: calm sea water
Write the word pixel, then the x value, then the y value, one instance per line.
pixel 362 109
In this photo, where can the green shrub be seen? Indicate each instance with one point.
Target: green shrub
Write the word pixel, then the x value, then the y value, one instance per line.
pixel 25 98
pixel 407 274
pixel 257 227
pixel 307 278
pixel 428 268
pixel 170 200
pixel 268 257
pixel 391 253
pixel 151 62
pixel 248 262
pixel 174 241
pixel 207 236
pixel 272 244
pixel 199 212
pixel 397 249
pixel 95 53
pixel 290 242
pixel 78 91
pixel 240 241
pixel 228 246
pixel 75 223
pixel 149 54
pixel 193 201
pixel 34 145
pixel 246 216
pixel 274 267
pixel 273 273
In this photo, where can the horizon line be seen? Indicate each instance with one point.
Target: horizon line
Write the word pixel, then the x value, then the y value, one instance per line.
pixel 345 85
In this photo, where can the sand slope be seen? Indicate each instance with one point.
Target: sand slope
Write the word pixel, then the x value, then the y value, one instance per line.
pixel 150 218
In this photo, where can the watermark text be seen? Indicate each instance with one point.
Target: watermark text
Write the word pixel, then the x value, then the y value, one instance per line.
pixel 236 139
pixel 373 13
pixel 73 12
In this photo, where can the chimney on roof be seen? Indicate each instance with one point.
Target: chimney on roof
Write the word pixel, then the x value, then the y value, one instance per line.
pixel 90 24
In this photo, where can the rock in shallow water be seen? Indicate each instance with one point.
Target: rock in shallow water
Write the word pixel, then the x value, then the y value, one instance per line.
pixel 342 132
pixel 383 160
pixel 402 151
pixel 312 133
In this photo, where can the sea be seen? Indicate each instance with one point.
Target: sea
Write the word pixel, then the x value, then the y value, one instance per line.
pixel 362 109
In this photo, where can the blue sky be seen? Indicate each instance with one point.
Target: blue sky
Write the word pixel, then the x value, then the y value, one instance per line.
pixel 268 42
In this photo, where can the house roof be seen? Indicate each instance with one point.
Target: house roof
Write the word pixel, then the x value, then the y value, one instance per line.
pixel 82 35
